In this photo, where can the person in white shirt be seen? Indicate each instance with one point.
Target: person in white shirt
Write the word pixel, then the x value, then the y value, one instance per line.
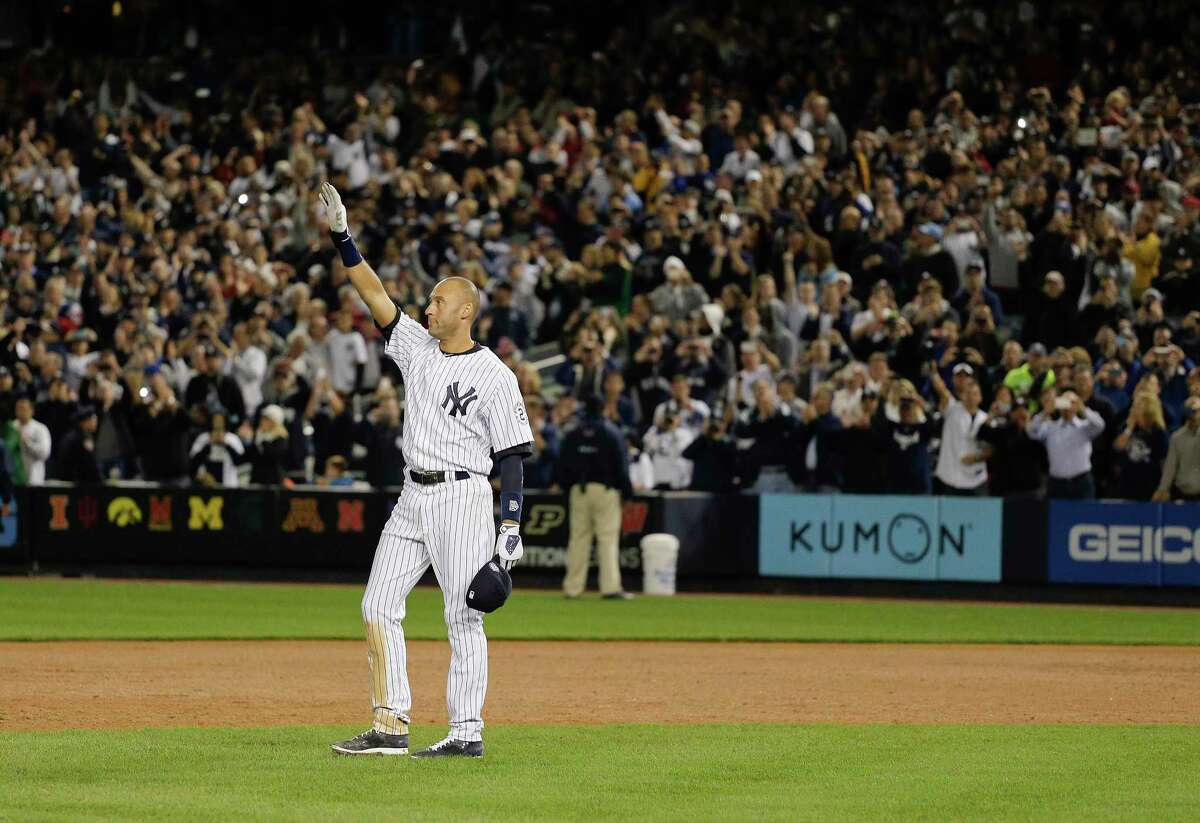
pixel 347 354
pixel 350 155
pixel 1067 432
pixel 248 367
pixel 847 400
pixel 962 459
pixel 215 453
pixel 800 304
pixel 964 240
pixel 78 358
pixel 788 142
pixel 693 414
pixel 817 118
pixel 742 160
pixel 35 442
pixel 665 445
pixel 680 296
pixel 641 468
pixel 684 140
pixel 317 354
pixel 740 392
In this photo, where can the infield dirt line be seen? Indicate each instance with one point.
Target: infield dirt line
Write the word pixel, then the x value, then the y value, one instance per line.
pixel 135 684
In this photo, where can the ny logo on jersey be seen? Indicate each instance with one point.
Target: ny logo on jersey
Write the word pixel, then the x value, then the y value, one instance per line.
pixel 458 402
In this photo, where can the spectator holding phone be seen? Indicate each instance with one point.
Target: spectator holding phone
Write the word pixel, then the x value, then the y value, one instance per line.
pixel 1017 464
pixel 1067 431
pixel 905 436
pixel 215 454
pixel 267 449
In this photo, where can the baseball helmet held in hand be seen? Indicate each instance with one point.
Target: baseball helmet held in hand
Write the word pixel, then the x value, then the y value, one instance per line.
pixel 490 587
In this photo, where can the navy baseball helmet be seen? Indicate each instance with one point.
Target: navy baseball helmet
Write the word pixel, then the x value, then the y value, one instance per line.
pixel 490 587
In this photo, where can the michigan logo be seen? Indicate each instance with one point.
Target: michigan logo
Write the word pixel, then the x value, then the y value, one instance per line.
pixel 205 514
pixel 123 511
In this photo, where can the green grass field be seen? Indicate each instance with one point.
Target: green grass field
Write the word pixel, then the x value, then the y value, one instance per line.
pixel 613 773
pixel 48 609
pixel 705 772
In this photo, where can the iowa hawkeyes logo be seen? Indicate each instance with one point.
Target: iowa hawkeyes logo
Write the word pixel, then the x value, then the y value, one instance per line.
pixel 123 511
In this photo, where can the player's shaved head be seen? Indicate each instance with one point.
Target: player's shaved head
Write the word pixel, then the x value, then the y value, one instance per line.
pixel 452 309
pixel 460 291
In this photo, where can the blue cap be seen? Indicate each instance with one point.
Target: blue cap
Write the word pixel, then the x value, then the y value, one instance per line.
pixel 931 230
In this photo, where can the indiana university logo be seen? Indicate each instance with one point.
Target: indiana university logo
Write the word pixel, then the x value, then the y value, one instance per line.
pixel 458 402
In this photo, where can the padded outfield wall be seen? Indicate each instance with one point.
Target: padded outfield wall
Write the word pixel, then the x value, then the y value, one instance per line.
pixel 730 537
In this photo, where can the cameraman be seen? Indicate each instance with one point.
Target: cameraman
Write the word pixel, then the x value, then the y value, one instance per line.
pixel 714 458
pixel 161 428
pixel 693 414
pixel 647 375
pixel 209 385
pixel 975 295
pixel 980 337
pixel 1017 464
pixel 665 443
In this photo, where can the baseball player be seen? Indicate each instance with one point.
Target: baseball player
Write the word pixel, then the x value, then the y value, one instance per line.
pixel 463 411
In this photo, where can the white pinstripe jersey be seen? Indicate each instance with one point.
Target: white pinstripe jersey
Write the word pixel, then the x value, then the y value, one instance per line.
pixel 459 409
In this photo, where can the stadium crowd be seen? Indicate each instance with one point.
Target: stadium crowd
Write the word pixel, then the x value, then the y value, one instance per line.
pixel 968 267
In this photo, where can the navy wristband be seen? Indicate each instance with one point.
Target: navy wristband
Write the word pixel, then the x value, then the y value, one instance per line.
pixel 510 506
pixel 346 248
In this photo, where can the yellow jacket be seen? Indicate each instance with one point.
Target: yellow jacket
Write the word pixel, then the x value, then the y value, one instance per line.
pixel 1145 255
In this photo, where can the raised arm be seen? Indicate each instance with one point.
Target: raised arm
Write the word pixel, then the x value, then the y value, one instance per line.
pixel 1037 428
pixel 1093 423
pixel 366 282
pixel 939 387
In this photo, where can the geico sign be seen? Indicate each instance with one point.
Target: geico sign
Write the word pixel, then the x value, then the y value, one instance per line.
pixel 1095 543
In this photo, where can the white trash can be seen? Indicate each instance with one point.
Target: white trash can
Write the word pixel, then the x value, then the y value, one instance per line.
pixel 660 553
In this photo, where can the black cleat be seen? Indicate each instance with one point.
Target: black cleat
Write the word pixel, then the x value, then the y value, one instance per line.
pixel 617 596
pixel 453 748
pixel 373 742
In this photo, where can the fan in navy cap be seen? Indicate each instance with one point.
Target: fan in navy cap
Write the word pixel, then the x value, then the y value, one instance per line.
pixel 490 587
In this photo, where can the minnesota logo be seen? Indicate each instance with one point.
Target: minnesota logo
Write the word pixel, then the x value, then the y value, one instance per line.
pixel 123 511
pixel 303 514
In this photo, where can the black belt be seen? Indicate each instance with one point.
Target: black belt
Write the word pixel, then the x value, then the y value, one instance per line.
pixel 432 478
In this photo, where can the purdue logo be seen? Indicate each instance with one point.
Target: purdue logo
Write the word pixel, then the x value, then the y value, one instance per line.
pixel 545 516
pixel 458 403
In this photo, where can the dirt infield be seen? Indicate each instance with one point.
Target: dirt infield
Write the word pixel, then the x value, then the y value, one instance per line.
pixel 238 683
